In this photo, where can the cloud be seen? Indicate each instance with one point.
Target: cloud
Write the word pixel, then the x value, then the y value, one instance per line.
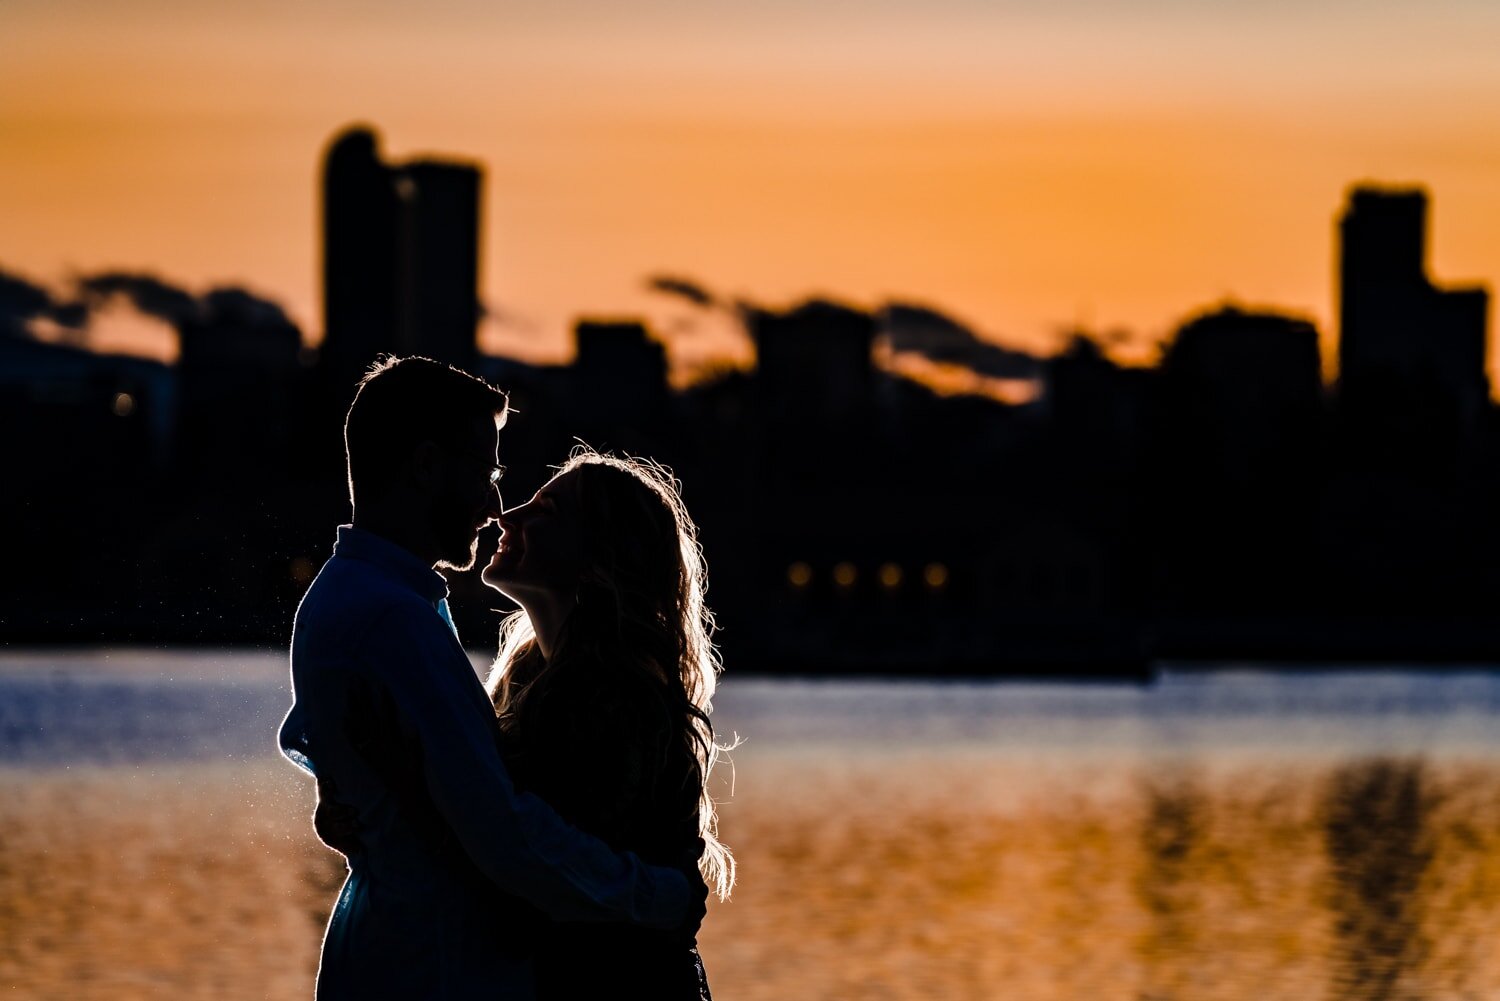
pixel 682 288
pixel 147 293
pixel 22 301
pixel 933 335
pixel 504 316
pixel 225 306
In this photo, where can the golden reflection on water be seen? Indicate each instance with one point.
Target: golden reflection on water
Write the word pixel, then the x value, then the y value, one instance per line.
pixel 932 875
pixel 971 878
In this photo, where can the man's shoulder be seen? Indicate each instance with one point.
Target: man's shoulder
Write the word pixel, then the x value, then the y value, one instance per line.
pixel 347 603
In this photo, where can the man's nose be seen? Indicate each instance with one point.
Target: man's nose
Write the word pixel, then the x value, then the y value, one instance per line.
pixel 510 518
pixel 496 506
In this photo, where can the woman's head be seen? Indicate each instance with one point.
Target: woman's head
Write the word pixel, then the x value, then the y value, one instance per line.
pixel 608 542
pixel 607 551
pixel 540 560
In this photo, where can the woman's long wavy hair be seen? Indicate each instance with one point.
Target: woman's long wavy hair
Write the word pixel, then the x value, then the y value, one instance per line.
pixel 641 608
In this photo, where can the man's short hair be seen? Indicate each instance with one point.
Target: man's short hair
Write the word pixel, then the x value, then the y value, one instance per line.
pixel 402 402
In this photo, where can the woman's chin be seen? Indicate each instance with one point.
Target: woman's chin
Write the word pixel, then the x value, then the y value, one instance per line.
pixel 494 575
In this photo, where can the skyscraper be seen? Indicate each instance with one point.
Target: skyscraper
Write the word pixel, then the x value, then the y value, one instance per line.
pixel 440 260
pixel 620 367
pixel 400 259
pixel 814 363
pixel 1407 349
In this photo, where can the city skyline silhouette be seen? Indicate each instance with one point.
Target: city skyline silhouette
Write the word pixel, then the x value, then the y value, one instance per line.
pixel 1225 502
pixel 379 207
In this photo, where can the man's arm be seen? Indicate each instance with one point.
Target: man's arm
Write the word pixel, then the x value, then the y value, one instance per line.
pixel 514 838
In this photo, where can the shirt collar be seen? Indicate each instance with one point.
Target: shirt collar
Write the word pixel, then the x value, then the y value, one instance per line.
pixel 359 544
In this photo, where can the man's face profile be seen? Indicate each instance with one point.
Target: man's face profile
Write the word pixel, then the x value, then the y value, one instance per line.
pixel 467 497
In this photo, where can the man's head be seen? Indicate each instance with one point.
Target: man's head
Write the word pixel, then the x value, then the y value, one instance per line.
pixel 421 439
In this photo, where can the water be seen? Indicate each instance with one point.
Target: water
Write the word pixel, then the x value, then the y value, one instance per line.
pixel 1227 834
pixel 117 707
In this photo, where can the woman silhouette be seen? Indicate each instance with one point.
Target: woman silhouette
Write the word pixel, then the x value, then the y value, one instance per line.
pixel 603 686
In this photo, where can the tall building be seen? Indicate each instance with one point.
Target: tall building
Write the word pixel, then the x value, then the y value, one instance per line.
pixel 440 260
pixel 1243 393
pixel 1405 523
pixel 400 259
pixel 1234 476
pixel 814 362
pixel 360 264
pixel 1407 349
pixel 238 371
pixel 619 366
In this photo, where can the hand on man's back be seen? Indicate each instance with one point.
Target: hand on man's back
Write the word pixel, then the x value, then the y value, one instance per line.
pixel 687 931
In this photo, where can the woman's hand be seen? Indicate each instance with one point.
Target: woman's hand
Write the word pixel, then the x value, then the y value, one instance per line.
pixel 687 932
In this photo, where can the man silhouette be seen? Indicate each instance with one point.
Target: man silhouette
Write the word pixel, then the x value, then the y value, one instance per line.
pixel 446 858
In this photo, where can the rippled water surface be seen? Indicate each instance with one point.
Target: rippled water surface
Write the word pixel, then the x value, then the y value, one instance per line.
pixel 1227 834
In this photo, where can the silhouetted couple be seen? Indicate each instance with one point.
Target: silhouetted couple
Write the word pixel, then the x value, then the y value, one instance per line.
pixel 548 834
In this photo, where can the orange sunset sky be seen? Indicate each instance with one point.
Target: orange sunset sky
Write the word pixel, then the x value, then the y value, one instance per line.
pixel 1028 167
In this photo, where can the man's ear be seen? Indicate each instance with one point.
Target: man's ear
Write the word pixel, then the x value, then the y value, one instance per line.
pixel 426 464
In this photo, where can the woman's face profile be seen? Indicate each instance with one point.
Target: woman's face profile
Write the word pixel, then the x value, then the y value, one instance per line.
pixel 541 545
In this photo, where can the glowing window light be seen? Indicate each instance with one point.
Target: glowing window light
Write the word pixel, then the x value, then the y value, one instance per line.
pixel 844 574
pixel 123 405
pixel 935 574
pixel 799 574
pixel 890 576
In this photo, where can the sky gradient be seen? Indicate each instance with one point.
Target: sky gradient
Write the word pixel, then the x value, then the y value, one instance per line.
pixel 1027 167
